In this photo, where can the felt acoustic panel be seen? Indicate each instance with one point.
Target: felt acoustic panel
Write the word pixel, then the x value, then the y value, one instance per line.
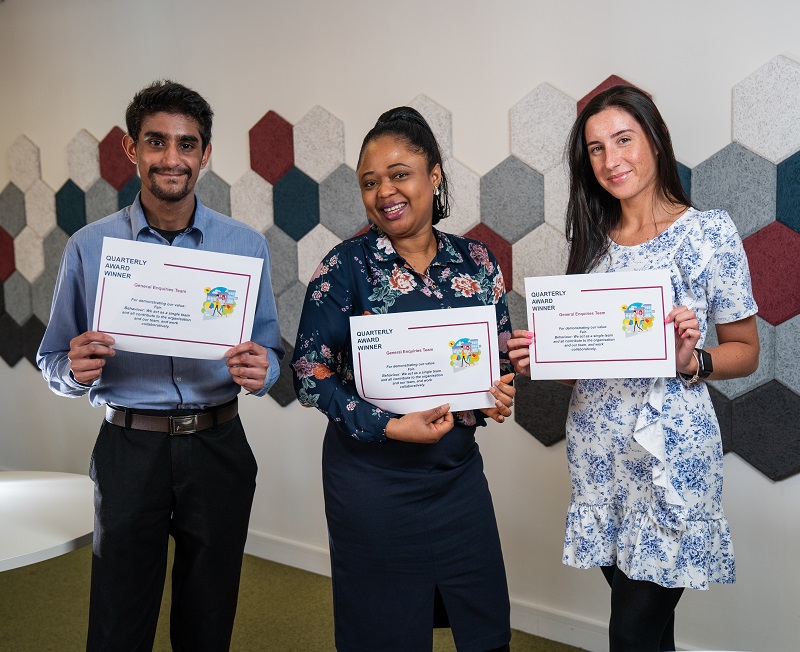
pixel 302 195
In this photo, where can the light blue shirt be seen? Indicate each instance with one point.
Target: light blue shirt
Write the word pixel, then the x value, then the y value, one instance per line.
pixel 138 380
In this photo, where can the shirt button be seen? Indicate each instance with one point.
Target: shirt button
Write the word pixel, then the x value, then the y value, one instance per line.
pixel 181 406
pixel 178 378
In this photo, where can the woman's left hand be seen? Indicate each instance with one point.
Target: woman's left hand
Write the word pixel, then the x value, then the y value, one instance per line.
pixel 504 392
pixel 687 334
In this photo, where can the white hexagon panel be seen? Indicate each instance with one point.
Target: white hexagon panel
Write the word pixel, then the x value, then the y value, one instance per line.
pixel 540 124
pixel 83 159
pixel 440 121
pixel 29 254
pixel 251 201
pixel 318 143
pixel 543 252
pixel 311 249
pixel 25 164
pixel 766 110
pixel 465 198
pixel 556 196
pixel 40 207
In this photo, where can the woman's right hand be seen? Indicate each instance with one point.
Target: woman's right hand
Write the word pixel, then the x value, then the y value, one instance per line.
pixel 519 351
pixel 426 427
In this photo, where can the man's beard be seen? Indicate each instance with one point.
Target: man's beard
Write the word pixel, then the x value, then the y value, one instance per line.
pixel 172 193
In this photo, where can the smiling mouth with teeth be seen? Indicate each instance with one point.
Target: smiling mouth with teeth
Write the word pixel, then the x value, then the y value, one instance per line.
pixel 395 208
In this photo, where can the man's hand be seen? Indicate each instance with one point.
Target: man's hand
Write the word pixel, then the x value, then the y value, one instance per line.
pixel 426 427
pixel 248 364
pixel 87 354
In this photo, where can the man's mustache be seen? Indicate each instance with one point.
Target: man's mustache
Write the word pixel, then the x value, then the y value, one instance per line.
pixel 157 170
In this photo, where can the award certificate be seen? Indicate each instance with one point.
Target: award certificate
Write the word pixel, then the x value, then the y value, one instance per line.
pixel 410 361
pixel 601 325
pixel 175 301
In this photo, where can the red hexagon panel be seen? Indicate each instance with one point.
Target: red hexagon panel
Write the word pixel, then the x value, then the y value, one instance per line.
pixel 272 147
pixel 6 254
pixel 115 166
pixel 613 80
pixel 774 256
pixel 498 246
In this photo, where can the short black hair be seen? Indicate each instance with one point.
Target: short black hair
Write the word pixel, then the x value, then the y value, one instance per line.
pixel 165 96
pixel 409 125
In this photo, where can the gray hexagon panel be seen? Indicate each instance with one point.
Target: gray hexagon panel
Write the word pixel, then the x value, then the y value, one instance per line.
pixel 341 210
pixel 739 181
pixel 12 210
pixel 283 256
pixel 512 199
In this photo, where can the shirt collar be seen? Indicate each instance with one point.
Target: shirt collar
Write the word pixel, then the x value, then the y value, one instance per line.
pixel 384 251
pixel 139 221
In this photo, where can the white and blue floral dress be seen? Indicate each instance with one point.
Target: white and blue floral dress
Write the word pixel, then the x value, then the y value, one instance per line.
pixel 645 454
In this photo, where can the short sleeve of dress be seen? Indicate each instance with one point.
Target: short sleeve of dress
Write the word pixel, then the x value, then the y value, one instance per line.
pixel 730 292
pixel 322 370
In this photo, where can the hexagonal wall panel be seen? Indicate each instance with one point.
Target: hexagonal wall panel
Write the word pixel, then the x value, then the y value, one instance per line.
pixel 83 159
pixel 512 199
pixel 296 203
pixel 53 246
pixel 31 335
pixel 101 200
pixel 271 147
pixel 214 192
pixel 29 254
pixel 283 255
pixel 760 432
pixel 17 296
pixel 115 166
pixel 12 210
pixel 127 194
pixel 340 207
pixel 499 247
pixel 774 257
pixel 11 341
pixel 40 207
pixel 787 205
pixel 517 310
pixel 541 408
pixel 282 392
pixel 70 207
pixel 556 197
pixel 741 182
pixel 251 201
pixel 766 364
pixel 318 143
pixel 6 254
pixel 766 110
pixel 440 121
pixel 540 124
pixel 290 306
pixel 723 407
pixel 24 162
pixel 465 198
pixel 312 249
pixel 787 346
pixel 540 253
pixel 42 296
pixel 608 82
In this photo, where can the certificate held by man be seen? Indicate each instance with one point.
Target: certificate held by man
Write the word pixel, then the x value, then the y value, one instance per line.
pixel 411 361
pixel 175 301
pixel 601 325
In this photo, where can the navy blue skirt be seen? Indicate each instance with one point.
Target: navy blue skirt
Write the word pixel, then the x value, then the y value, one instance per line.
pixel 407 521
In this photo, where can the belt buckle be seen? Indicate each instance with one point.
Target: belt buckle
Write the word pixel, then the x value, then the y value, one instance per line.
pixel 183 425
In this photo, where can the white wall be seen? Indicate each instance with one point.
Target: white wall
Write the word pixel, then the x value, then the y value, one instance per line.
pixel 66 66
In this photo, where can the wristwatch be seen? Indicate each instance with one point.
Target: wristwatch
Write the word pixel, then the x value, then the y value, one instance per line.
pixel 704 367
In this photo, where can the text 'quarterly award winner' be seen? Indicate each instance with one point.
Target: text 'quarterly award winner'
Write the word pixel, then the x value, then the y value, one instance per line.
pixel 410 361
pixel 601 325
pixel 175 301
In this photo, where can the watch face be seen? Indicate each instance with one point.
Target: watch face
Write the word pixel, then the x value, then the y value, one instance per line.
pixel 706 363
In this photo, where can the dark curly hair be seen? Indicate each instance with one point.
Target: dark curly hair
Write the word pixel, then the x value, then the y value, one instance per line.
pixel 169 97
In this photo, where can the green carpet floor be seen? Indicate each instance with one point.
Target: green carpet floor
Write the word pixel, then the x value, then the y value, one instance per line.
pixel 44 608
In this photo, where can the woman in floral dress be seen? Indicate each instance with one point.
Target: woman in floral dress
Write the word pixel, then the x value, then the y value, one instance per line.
pixel 645 454
pixel 410 517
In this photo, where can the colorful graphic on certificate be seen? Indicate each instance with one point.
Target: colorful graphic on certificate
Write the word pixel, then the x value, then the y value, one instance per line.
pixel 410 361
pixel 601 325
pixel 175 301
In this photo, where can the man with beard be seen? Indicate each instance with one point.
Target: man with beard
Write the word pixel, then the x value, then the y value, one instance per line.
pixel 171 457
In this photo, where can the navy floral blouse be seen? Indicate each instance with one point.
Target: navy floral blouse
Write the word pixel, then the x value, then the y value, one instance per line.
pixel 364 275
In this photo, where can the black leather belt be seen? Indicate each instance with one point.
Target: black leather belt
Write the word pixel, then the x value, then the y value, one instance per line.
pixel 178 424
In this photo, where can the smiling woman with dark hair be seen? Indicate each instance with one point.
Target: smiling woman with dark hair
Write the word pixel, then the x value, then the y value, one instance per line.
pixel 645 454
pixel 413 535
